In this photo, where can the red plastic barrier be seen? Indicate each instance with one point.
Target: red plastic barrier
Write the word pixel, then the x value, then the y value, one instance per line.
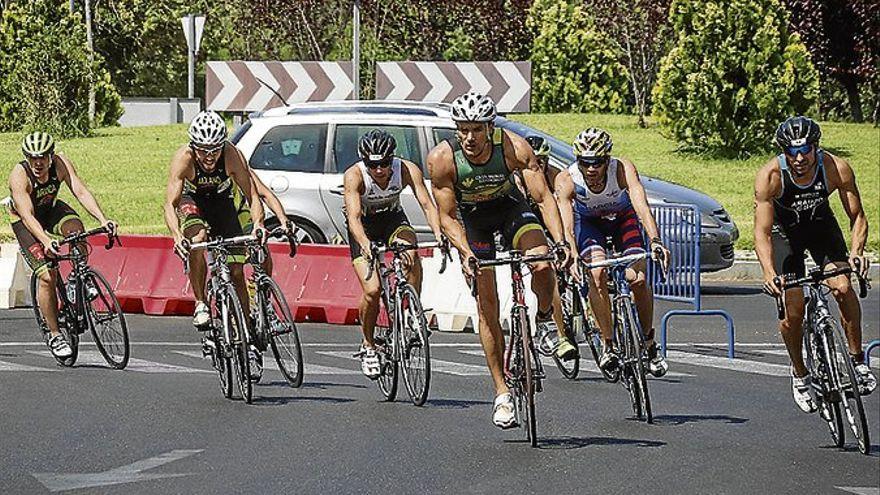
pixel 319 283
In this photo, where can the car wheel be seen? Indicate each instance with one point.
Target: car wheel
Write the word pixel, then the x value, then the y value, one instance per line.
pixel 306 234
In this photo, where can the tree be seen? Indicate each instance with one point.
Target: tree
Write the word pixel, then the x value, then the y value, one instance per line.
pixel 640 33
pixel 574 65
pixel 733 74
pixel 843 37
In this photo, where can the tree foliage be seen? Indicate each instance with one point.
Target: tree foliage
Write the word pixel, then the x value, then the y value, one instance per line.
pixel 733 74
pixel 47 72
pixel 574 65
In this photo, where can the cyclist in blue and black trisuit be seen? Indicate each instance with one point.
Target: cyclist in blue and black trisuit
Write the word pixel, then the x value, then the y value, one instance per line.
pixel 601 196
pixel 792 216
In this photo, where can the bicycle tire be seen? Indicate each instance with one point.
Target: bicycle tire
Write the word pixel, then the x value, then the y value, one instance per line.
pixel 640 372
pixel 415 350
pixel 852 397
pixel 114 346
pixel 383 338
pixel 531 423
pixel 572 316
pixel 285 343
pixel 221 355
pixel 822 386
pixel 71 337
pixel 627 358
pixel 242 368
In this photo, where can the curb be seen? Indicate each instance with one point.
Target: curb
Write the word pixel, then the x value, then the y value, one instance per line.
pixel 750 271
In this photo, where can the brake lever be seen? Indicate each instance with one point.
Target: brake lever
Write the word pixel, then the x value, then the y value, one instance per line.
pixel 780 300
pixel 472 262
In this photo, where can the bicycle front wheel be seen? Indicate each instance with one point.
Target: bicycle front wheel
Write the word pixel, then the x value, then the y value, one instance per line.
pixel 640 373
pixel 67 327
pixel 821 362
pixel 574 321
pixel 415 352
pixel 106 320
pixel 235 323
pixel 383 338
pixel 528 375
pixel 283 335
pixel 853 409
pixel 628 357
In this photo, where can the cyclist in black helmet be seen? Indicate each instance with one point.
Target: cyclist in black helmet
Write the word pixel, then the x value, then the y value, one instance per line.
pixel 793 215
pixel 37 211
pixel 374 214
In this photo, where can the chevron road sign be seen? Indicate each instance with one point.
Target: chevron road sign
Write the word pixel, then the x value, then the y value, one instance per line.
pixel 235 86
pixel 508 83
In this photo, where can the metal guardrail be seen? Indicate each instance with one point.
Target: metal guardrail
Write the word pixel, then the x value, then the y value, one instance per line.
pixel 679 226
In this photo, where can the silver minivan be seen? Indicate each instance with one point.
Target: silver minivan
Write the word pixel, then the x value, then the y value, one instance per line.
pixel 301 152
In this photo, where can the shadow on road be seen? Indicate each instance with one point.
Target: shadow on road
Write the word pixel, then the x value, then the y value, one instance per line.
pixel 280 401
pixel 737 290
pixel 566 443
pixel 681 419
pixel 314 385
pixel 456 403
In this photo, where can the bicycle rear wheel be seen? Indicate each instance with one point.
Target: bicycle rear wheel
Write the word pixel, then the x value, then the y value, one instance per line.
pixel 853 409
pixel 383 339
pixel 415 351
pixel 574 322
pixel 640 373
pixel 283 335
pixel 107 321
pixel 236 324
pixel 817 359
pixel 66 326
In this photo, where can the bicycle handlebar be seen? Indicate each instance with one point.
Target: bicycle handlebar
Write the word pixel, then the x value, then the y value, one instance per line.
pixel 399 248
pixel 112 239
pixel 815 277
pixel 514 257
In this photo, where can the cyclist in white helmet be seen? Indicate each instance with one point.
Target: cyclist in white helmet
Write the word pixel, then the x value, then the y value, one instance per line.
pixel 199 200
pixel 471 176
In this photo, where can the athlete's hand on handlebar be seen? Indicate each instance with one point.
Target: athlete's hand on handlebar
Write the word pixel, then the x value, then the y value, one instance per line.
pixel 773 284
pixel 181 248
pixel 562 251
pixel 860 265
pixel 660 254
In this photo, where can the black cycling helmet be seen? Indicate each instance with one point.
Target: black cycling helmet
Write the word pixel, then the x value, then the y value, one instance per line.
pixel 376 146
pixel 797 131
pixel 539 146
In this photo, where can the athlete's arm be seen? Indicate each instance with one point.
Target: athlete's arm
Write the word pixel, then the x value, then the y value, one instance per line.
pixel 174 190
pixel 852 205
pixel 766 188
pixel 441 166
pixel 521 155
pixel 639 198
pixel 19 186
pixel 353 187
pixel 564 196
pixel 67 173
pixel 416 181
pixel 238 169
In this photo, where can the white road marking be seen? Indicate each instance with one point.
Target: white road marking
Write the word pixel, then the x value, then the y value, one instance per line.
pixel 875 363
pixel 743 365
pixel 860 490
pixel 5 366
pixel 587 365
pixel 58 482
pixel 94 358
pixel 269 364
pixel 438 365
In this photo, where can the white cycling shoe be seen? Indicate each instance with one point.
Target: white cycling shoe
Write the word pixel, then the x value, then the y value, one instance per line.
pixel 370 363
pixel 800 390
pixel 504 414
pixel 867 380
pixel 59 347
pixel 201 316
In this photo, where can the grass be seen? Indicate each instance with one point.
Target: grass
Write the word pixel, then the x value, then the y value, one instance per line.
pixel 127 168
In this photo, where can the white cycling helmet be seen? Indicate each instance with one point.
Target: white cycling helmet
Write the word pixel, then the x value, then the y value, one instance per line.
pixel 207 130
pixel 592 143
pixel 473 107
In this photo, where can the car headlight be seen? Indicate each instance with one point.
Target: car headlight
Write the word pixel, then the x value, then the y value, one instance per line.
pixel 708 221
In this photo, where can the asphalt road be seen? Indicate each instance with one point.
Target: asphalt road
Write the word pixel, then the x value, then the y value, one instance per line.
pixel 162 426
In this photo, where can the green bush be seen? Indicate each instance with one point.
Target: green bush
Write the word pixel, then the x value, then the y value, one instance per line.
pixel 47 72
pixel 733 74
pixel 574 67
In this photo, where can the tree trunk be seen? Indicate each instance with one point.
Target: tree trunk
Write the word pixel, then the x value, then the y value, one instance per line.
pixel 855 100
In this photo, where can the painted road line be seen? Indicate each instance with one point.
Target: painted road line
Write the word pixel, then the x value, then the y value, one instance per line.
pixel 269 364
pixel 131 473
pixel 438 365
pixel 94 358
pixel 5 366
pixel 743 365
pixel 860 490
pixel 587 365
pixel 874 364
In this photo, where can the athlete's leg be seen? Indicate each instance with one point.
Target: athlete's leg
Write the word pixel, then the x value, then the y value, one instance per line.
pixel 850 309
pixel 412 262
pixel 198 266
pixel 368 308
pixel 491 336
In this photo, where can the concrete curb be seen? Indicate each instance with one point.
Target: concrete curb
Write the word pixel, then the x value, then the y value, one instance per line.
pixel 750 271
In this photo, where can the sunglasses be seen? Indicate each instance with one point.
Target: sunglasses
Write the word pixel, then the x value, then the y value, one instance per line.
pixel 592 162
pixel 207 150
pixel 379 164
pixel 795 150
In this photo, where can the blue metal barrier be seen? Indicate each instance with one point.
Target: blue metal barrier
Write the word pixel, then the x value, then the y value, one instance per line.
pixel 679 227
pixel 871 346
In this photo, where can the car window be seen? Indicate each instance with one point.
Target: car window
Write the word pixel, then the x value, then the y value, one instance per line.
pixel 441 134
pixel 348 135
pixel 292 148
